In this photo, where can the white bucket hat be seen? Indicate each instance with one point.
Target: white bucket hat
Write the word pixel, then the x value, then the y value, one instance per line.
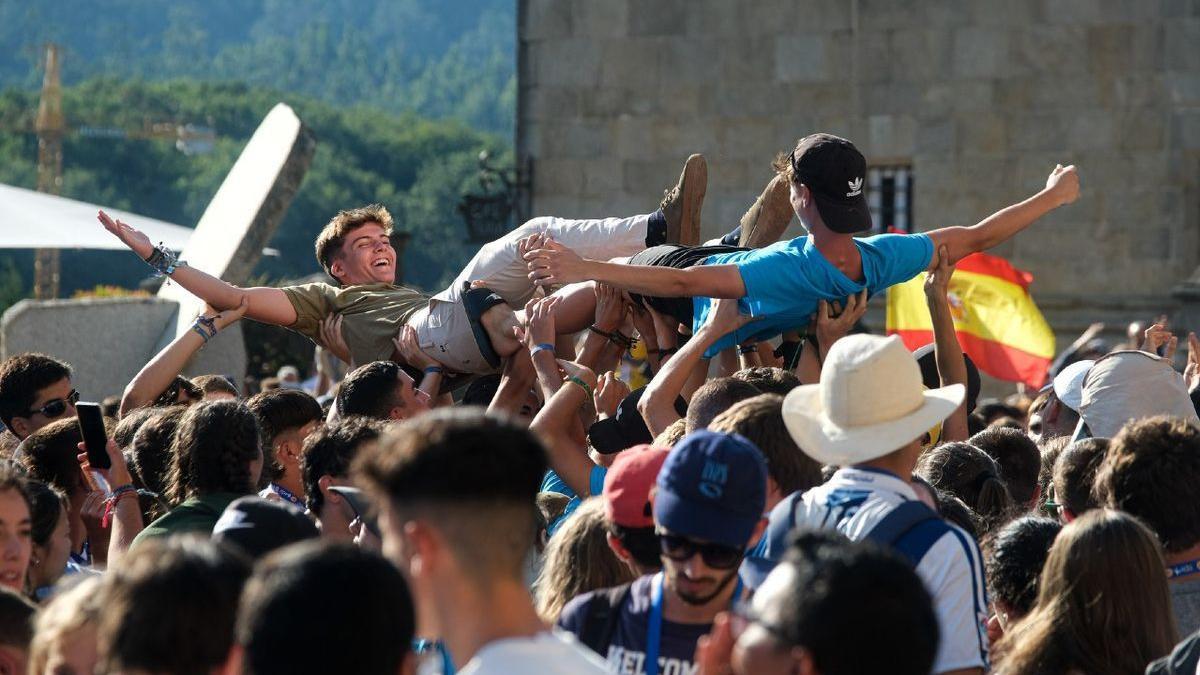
pixel 870 402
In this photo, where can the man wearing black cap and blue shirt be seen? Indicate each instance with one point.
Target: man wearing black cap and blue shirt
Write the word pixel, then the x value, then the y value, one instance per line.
pixel 708 503
pixel 781 284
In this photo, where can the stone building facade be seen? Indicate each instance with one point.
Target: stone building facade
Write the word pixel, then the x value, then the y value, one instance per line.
pixel 976 100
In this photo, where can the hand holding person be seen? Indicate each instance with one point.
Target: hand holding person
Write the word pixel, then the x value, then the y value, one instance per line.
pixel 332 338
pixel 410 349
pixel 554 264
pixel 223 319
pixel 539 328
pixel 610 308
pixel 610 391
pixel 835 323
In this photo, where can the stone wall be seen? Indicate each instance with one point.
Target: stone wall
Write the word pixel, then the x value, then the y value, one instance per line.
pixel 981 97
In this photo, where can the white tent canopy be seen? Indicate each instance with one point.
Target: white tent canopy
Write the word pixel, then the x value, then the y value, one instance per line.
pixel 31 219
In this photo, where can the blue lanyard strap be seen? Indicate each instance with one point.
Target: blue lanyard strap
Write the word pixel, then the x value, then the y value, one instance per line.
pixel 654 630
pixel 286 494
pixel 1183 569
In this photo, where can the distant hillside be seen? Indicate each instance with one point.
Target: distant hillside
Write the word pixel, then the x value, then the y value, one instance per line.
pixel 417 167
pixel 438 58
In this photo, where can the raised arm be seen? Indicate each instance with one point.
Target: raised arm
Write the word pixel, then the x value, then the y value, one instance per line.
pixel 1062 188
pixel 268 305
pixel 157 374
pixel 657 404
pixel 555 264
pixel 948 354
pixel 568 458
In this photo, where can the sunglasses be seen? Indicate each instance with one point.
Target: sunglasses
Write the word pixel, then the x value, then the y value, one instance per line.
pixel 716 556
pixel 56 407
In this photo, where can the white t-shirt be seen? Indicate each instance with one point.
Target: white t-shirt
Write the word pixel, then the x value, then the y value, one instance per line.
pixel 547 653
pixel 855 500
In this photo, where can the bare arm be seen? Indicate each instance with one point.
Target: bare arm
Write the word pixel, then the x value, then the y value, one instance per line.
pixel 568 458
pixel 555 264
pixel 952 368
pixel 516 379
pixel 1062 187
pixel 157 374
pixel 657 404
pixel 126 514
pixel 268 305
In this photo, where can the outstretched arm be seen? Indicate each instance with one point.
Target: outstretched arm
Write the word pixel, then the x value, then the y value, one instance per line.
pixel 156 375
pixel 555 264
pixel 1062 188
pixel 268 305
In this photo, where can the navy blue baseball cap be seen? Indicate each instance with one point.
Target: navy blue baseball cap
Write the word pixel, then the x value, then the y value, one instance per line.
pixel 774 543
pixel 713 487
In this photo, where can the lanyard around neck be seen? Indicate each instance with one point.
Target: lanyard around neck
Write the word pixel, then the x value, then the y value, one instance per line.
pixel 654 629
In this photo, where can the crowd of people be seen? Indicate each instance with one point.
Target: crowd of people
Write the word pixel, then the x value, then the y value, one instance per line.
pixel 481 491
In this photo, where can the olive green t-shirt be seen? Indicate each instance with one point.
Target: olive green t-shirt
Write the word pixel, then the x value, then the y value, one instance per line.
pixel 372 314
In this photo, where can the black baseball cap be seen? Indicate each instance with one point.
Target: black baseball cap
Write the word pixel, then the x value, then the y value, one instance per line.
pixel 258 526
pixel 626 428
pixel 835 172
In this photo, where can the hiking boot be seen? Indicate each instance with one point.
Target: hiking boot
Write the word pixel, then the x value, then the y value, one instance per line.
pixel 681 204
pixel 769 216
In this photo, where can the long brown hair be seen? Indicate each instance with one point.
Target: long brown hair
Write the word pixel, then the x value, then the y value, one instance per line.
pixel 578 560
pixel 1103 607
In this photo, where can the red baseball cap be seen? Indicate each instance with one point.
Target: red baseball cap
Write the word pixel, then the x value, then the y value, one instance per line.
pixel 628 484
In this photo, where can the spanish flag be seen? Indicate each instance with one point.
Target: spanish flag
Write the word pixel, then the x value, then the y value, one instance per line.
pixel 994 316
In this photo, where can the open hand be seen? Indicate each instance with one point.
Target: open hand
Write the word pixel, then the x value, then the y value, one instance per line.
pixel 135 239
pixel 554 264
pixel 1064 184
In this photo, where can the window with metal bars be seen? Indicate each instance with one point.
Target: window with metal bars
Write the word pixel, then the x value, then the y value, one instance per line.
pixel 889 194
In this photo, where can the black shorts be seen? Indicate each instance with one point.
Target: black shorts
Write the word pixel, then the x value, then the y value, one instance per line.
pixel 678 257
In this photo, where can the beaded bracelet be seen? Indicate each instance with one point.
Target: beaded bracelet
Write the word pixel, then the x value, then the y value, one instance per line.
pixel 164 261
pixel 205 328
pixel 575 379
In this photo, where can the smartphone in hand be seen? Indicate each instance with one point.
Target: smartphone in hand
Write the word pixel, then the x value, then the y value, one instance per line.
pixel 95 440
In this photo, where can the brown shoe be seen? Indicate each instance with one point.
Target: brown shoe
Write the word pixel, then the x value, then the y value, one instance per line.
pixel 769 217
pixel 681 204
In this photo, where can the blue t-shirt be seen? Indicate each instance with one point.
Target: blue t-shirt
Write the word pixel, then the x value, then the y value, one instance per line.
pixel 627 649
pixel 553 483
pixel 784 281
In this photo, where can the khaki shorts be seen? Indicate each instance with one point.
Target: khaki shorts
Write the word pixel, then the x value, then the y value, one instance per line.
pixel 444 333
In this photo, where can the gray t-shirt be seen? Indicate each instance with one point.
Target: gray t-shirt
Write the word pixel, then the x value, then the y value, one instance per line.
pixel 1185 600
